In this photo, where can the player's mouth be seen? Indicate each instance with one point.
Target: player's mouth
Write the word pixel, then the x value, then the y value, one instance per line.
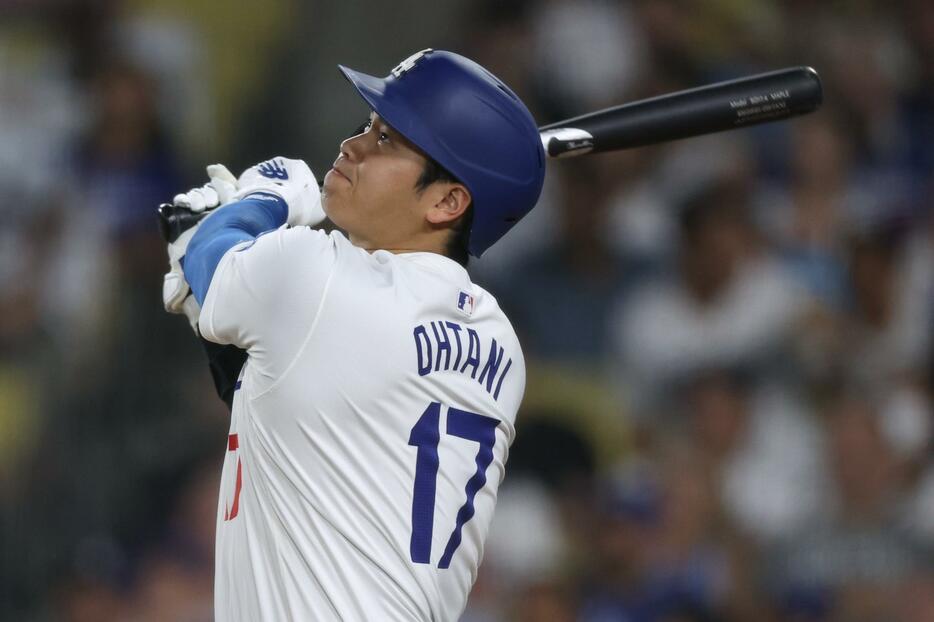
pixel 339 173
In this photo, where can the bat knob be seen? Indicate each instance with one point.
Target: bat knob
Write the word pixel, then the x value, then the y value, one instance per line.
pixel 174 220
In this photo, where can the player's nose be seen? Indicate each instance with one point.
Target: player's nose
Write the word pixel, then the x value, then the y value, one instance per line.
pixel 351 148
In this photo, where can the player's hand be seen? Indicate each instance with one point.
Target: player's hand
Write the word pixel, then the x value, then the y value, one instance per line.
pixel 218 191
pixel 292 181
pixel 178 222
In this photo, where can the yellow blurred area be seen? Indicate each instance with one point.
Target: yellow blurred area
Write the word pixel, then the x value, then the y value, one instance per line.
pixel 553 392
pixel 240 40
pixel 20 419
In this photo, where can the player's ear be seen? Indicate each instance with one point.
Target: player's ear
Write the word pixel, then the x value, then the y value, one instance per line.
pixel 453 202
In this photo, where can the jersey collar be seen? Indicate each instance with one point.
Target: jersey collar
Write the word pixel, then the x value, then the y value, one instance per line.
pixel 438 263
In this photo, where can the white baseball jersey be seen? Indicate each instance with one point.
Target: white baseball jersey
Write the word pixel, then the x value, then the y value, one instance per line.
pixel 369 432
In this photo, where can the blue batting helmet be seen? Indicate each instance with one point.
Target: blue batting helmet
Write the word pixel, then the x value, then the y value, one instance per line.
pixel 473 125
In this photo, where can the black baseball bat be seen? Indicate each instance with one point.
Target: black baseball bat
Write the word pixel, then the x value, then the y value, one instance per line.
pixel 713 108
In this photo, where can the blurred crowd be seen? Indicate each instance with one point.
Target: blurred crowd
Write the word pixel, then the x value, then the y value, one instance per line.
pixel 728 414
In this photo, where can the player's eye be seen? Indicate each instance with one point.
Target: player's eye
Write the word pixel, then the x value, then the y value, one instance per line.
pixel 383 137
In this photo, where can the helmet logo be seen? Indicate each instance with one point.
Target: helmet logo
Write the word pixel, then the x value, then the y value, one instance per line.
pixel 410 62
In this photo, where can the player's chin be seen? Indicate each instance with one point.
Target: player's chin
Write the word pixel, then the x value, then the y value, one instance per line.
pixel 332 203
pixel 334 184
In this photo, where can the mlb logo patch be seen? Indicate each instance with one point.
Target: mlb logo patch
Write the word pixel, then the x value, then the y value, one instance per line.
pixel 465 303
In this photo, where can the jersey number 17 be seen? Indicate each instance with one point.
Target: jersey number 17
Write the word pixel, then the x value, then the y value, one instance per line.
pixel 426 435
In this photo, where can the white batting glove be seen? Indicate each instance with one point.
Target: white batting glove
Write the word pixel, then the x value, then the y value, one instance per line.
pixel 180 221
pixel 219 191
pixel 290 180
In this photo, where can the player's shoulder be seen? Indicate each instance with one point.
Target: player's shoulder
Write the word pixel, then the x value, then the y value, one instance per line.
pixel 476 307
pixel 298 241
pixel 303 237
pixel 443 287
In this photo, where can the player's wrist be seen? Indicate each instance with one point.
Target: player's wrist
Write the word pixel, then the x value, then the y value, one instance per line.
pixel 273 203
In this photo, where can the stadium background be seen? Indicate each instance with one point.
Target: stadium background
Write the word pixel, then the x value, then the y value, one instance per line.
pixel 728 414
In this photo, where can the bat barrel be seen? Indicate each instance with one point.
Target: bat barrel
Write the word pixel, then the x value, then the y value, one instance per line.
pixel 726 105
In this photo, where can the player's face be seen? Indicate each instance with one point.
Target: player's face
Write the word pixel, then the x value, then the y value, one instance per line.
pixel 370 193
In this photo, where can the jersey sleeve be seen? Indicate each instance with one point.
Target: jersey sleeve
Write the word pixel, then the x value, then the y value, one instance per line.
pixel 265 295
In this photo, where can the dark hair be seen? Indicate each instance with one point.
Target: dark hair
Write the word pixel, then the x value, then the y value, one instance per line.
pixel 459 240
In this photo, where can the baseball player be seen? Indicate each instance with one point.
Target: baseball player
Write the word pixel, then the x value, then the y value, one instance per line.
pixel 372 417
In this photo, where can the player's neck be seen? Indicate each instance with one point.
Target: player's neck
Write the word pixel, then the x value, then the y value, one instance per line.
pixel 434 242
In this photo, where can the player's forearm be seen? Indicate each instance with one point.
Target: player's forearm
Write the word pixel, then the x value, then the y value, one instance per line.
pixel 235 223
